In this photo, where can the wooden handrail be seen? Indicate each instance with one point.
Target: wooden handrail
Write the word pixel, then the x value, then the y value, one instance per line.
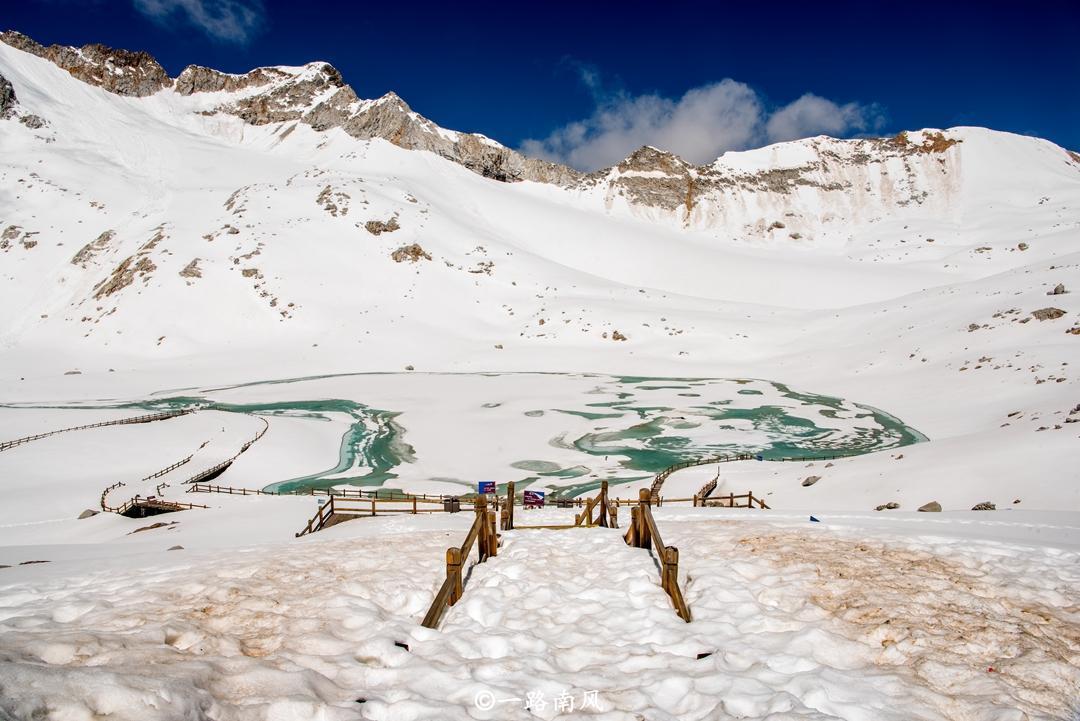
pixel 643 533
pixel 482 529
pixel 163 415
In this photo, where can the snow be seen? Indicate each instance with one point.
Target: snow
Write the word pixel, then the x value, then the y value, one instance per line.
pixel 304 631
pixel 889 615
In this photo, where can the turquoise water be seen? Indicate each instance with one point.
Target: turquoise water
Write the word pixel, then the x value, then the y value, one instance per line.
pixel 638 427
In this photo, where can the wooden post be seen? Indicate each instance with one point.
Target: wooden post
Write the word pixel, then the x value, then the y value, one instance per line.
pixel 671 568
pixel 414 505
pixel 643 528
pixel 731 500
pixel 603 504
pixel 493 537
pixel 665 570
pixel 695 500
pixel 372 504
pixel 631 533
pixel 614 511
pixel 480 506
pixel 453 570
pixel 510 506
pixel 750 499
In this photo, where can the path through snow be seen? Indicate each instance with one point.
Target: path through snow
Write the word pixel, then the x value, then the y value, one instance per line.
pixel 801 621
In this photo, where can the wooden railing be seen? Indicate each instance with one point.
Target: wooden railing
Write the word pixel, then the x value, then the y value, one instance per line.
pixel 705 491
pixel 155 474
pixel 643 533
pixel 607 512
pixel 751 501
pixel 157 503
pixel 205 473
pixel 164 415
pixel 662 476
pixel 482 530
pixel 389 494
pixel 337 506
pixel 731 500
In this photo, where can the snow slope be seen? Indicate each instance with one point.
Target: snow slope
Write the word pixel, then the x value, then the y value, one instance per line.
pixel 907 289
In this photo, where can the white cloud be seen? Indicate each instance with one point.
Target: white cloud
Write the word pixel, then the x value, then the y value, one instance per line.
pixel 813 115
pixel 230 20
pixel 699 126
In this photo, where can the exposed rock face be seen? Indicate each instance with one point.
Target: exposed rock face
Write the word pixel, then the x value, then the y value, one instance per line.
pixel 191 270
pixel 653 178
pixel 124 275
pixel 1047 313
pixel 7 98
pixel 378 227
pixel 119 71
pixel 890 506
pixel 198 79
pixel 91 249
pixel 984 506
pixel 411 253
pixel 316 95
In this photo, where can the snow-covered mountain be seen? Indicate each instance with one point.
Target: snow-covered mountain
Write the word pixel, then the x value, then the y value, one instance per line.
pixel 216 227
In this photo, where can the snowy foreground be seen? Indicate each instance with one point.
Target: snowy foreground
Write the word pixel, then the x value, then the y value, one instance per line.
pixel 966 616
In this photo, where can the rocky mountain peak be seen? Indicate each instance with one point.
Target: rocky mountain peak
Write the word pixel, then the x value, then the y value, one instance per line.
pixel 649 159
pixel 124 72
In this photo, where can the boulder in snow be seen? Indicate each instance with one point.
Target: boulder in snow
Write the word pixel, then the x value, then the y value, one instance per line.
pixel 931 507
pixel 88 513
pixel 1047 313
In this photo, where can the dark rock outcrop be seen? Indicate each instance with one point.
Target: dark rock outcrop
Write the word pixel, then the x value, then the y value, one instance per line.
pixel 1047 313
pixel 7 98
pixel 198 79
pixel 123 72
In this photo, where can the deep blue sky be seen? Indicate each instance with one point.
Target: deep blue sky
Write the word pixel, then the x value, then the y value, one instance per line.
pixel 513 70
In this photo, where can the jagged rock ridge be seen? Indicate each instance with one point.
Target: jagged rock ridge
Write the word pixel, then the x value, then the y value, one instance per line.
pixel 317 96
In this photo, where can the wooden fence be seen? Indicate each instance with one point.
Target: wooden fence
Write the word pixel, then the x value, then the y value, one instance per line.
pixel 158 504
pixel 482 530
pixel 156 474
pixel 731 500
pixel 336 510
pixel 662 476
pixel 606 511
pixel 643 533
pixel 194 479
pixel 164 415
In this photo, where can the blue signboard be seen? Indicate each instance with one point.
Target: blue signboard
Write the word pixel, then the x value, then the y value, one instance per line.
pixel 485 487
